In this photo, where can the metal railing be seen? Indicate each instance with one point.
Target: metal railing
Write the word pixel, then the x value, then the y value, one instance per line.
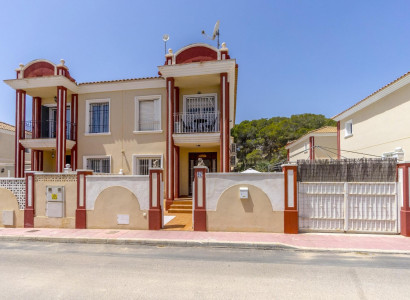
pixel 196 122
pixel 47 129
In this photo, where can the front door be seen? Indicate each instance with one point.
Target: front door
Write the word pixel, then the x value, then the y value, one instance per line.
pixel 209 159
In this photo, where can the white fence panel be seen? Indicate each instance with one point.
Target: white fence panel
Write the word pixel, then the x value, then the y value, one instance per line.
pixel 351 207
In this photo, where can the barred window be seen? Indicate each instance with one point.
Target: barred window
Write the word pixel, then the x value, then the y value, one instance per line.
pixel 143 164
pixel 99 165
pixel 99 117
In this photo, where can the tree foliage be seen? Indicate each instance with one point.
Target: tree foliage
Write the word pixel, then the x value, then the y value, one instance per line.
pixel 261 143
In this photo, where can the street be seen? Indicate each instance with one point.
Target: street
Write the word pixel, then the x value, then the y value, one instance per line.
pixel 39 270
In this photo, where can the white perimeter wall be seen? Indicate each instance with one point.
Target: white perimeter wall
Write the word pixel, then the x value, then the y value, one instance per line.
pixel 273 184
pixel 138 185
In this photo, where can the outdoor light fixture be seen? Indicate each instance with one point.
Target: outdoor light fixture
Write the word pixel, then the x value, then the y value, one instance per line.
pixel 55 99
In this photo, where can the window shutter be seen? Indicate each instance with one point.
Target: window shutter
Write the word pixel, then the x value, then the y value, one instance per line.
pixel 146 115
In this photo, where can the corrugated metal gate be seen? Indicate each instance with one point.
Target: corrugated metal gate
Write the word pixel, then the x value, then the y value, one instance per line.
pixel 348 206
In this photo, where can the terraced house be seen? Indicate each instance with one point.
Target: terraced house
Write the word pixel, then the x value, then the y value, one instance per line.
pixel 127 126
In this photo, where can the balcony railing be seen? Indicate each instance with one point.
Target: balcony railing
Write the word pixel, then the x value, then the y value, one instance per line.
pixel 196 122
pixel 46 129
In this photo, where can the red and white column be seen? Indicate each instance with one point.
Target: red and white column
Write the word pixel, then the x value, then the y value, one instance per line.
pixel 36 155
pixel 224 123
pixel 80 212
pixel 199 198
pixel 155 199
pixel 61 128
pixel 74 130
pixel 20 133
pixel 291 215
pixel 29 209
pixel 403 172
pixel 176 148
pixel 312 148
pixel 170 143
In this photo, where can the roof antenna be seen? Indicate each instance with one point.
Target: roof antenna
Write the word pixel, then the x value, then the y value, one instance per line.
pixel 214 34
pixel 165 38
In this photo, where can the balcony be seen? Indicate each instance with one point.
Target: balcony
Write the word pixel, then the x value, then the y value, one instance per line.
pixel 193 129
pixel 196 123
pixel 43 134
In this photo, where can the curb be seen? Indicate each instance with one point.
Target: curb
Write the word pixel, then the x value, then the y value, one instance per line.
pixel 197 243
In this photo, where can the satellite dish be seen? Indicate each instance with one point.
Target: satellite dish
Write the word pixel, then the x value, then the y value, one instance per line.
pixel 165 37
pixel 216 30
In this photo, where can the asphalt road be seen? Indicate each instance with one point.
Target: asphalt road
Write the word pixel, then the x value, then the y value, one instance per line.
pixel 38 270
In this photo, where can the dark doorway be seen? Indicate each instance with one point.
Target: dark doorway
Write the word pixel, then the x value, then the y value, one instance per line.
pixel 209 159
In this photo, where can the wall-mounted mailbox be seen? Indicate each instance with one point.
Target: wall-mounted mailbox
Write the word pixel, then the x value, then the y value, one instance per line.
pixel 8 217
pixel 243 193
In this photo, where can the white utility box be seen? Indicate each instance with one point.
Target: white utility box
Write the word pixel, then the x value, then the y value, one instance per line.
pixel 8 217
pixel 123 219
pixel 55 201
pixel 243 193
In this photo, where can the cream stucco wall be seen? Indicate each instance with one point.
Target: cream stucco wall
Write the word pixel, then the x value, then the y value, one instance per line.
pixel 380 127
pixel 9 202
pixel 297 151
pixel 40 203
pixel 114 201
pixel 254 214
pixel 184 165
pixel 121 143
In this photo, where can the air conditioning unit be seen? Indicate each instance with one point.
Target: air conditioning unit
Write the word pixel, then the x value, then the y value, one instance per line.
pixel 233 148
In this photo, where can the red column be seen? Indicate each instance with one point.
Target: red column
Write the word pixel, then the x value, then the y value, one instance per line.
pixel 61 128
pixel 74 130
pixel 312 148
pixel 224 123
pixel 80 212
pixel 288 155
pixel 200 198
pixel 338 140
pixel 20 133
pixel 176 172
pixel 35 131
pixel 404 202
pixel 29 209
pixel 170 144
pixel 291 216
pixel 155 199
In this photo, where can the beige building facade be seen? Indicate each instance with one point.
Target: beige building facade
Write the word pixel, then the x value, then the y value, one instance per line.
pixel 378 125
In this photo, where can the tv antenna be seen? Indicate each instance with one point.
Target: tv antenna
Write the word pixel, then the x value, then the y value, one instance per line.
pixel 214 34
pixel 165 38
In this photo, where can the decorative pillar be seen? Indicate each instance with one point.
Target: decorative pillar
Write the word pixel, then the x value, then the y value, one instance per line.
pixel 36 132
pixel 30 200
pixel 224 52
pixel 403 170
pixel 74 130
pixel 61 128
pixel 155 199
pixel 20 133
pixel 176 148
pixel 80 212
pixel 338 140
pixel 312 148
pixel 224 123
pixel 291 215
pixel 170 143
pixel 199 212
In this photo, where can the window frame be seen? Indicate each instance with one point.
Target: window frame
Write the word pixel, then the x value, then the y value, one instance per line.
pixel 201 95
pixel 157 110
pixel 349 134
pixel 85 157
pixel 135 158
pixel 87 116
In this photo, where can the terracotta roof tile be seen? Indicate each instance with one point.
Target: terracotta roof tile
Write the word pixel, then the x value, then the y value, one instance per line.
pixel 121 80
pixel 382 88
pixel 6 126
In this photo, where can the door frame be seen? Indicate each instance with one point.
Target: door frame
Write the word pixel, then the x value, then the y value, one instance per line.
pixel 195 156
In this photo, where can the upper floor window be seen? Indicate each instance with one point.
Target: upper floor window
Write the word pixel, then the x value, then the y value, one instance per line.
pixel 200 104
pixel 148 113
pixel 349 128
pixel 98 116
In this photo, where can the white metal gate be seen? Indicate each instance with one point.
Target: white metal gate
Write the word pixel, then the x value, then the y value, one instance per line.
pixel 349 207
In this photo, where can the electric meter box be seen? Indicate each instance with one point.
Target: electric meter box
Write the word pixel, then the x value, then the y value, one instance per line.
pixel 243 193
pixel 55 201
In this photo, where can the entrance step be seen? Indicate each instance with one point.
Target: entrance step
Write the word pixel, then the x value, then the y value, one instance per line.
pixel 181 206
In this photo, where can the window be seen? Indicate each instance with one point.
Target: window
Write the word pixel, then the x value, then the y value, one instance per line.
pixel 148 113
pixel 99 164
pixel 98 116
pixel 200 104
pixel 142 163
pixel 348 128
pixel 306 148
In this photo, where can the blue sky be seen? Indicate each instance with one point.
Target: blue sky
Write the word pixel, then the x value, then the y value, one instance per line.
pixel 294 56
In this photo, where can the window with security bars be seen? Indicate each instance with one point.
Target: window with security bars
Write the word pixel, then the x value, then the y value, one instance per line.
pixel 99 165
pixel 201 104
pixel 143 164
pixel 99 117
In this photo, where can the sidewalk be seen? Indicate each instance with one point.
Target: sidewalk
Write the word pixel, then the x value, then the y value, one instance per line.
pixel 337 242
